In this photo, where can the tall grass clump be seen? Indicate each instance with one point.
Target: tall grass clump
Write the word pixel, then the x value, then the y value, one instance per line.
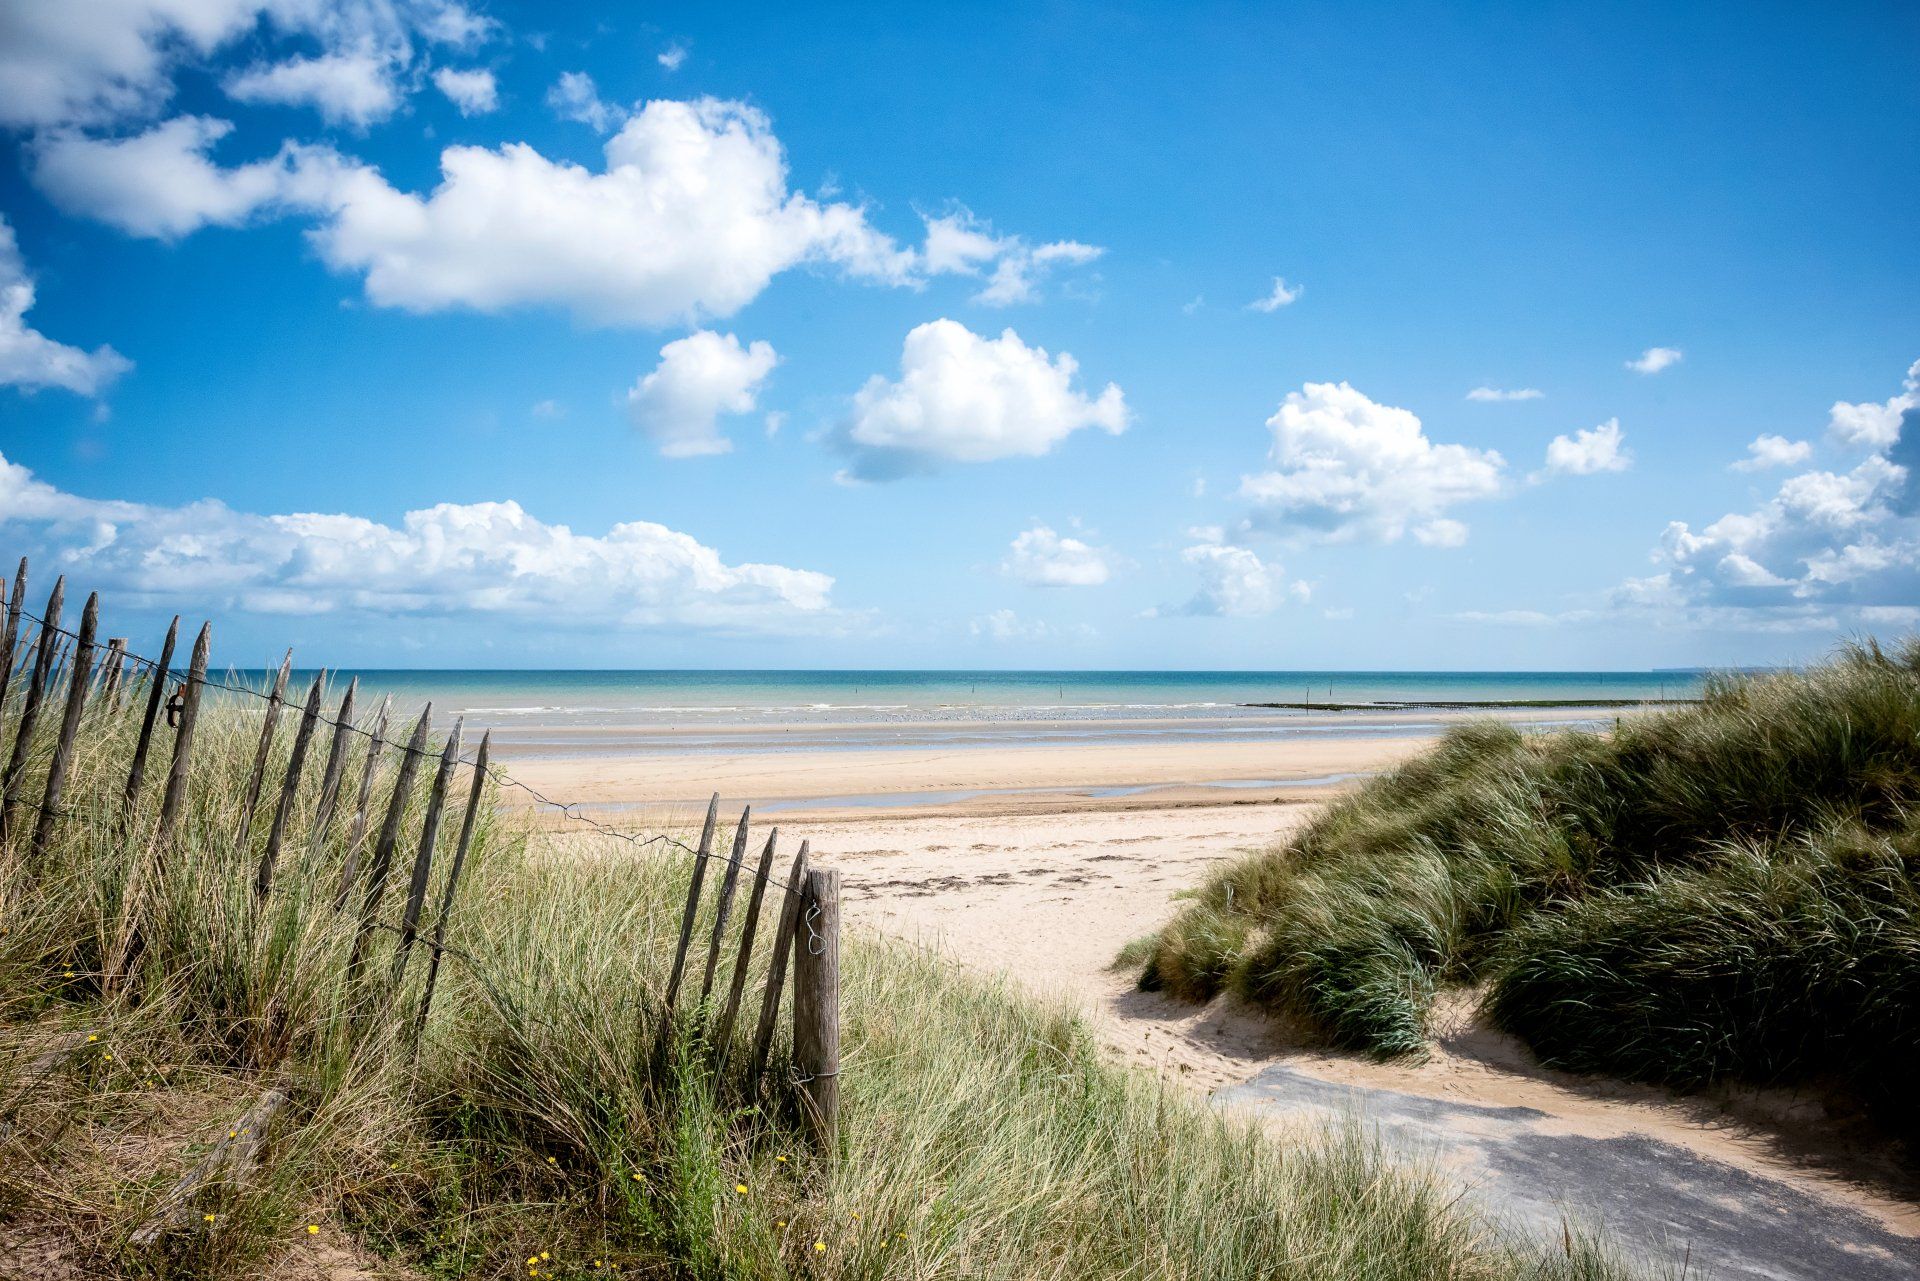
pixel 553 1122
pixel 1722 891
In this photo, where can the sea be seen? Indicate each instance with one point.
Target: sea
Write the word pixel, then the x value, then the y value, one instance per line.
pixel 567 712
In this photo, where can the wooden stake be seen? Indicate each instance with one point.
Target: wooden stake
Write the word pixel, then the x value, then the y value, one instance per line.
pixel 69 730
pixel 330 774
pixel 777 965
pixel 474 800
pixel 423 860
pixel 816 1006
pixel 44 645
pixel 748 926
pixel 176 796
pixel 693 904
pixel 156 694
pixel 111 668
pixel 358 832
pixel 10 631
pixel 256 779
pixel 290 788
pixel 389 840
pixel 724 904
pixel 233 1156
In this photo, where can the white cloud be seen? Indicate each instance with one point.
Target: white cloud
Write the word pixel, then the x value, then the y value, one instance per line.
pixel 1586 453
pixel 1005 625
pixel 108 62
pixel 163 183
pixel 28 358
pixel 1654 359
pixel 699 378
pixel 690 218
pixel 960 244
pixel 574 96
pixel 1234 582
pixel 476 559
pixel 672 56
pixel 548 409
pixel 1281 295
pixel 474 91
pixel 1496 394
pixel 1827 542
pixel 964 398
pixel 1040 557
pixel 1870 425
pixel 350 87
pixel 1773 451
pixel 1346 468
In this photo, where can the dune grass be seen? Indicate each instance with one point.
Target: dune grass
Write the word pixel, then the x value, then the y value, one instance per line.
pixel 539 1131
pixel 1725 891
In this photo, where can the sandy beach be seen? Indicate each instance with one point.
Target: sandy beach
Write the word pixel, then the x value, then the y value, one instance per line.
pixel 1041 861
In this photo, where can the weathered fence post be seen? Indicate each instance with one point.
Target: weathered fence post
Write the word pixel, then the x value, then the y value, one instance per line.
pixel 156 694
pixel 777 965
pixel 330 774
pixel 474 799
pixel 423 860
pixel 231 1158
pixel 389 839
pixel 44 645
pixel 290 788
pixel 358 832
pixel 69 729
pixel 816 1005
pixel 111 669
pixel 749 925
pixel 259 775
pixel 724 904
pixel 693 905
pixel 10 631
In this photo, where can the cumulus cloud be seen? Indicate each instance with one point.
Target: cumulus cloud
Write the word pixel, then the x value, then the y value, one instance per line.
pixel 1345 467
pixel 964 398
pixel 1767 450
pixel 699 378
pixel 1281 295
pixel 1236 583
pixel 1586 453
pixel 1654 359
pixel 1826 543
pixel 350 87
pixel 959 243
pixel 28 358
pixel 1040 557
pixel 574 96
pixel 1496 394
pixel 476 559
pixel 1870 425
pixel 165 184
pixel 473 91
pixel 672 56
pixel 88 65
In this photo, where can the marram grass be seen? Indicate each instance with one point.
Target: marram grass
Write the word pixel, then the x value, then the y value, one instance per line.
pixel 1725 891
pixel 543 1130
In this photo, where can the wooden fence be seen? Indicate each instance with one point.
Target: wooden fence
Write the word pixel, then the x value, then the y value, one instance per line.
pixel 92 674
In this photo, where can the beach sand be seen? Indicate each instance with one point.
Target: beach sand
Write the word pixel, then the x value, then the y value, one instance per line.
pixel 1017 860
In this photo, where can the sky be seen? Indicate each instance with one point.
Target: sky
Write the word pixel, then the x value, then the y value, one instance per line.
pixel 441 333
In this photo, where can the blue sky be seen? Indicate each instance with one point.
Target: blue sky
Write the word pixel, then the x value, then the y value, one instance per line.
pixel 719 301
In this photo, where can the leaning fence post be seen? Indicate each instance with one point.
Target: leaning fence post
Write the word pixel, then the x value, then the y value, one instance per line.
pixel 290 789
pixel 10 632
pixel 259 775
pixel 777 965
pixel 474 799
pixel 330 773
pixel 749 925
pixel 111 668
pixel 724 904
pixel 156 693
pixel 389 839
pixel 357 833
pixel 69 729
pixel 44 645
pixel 693 904
pixel 816 1006
pixel 423 861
